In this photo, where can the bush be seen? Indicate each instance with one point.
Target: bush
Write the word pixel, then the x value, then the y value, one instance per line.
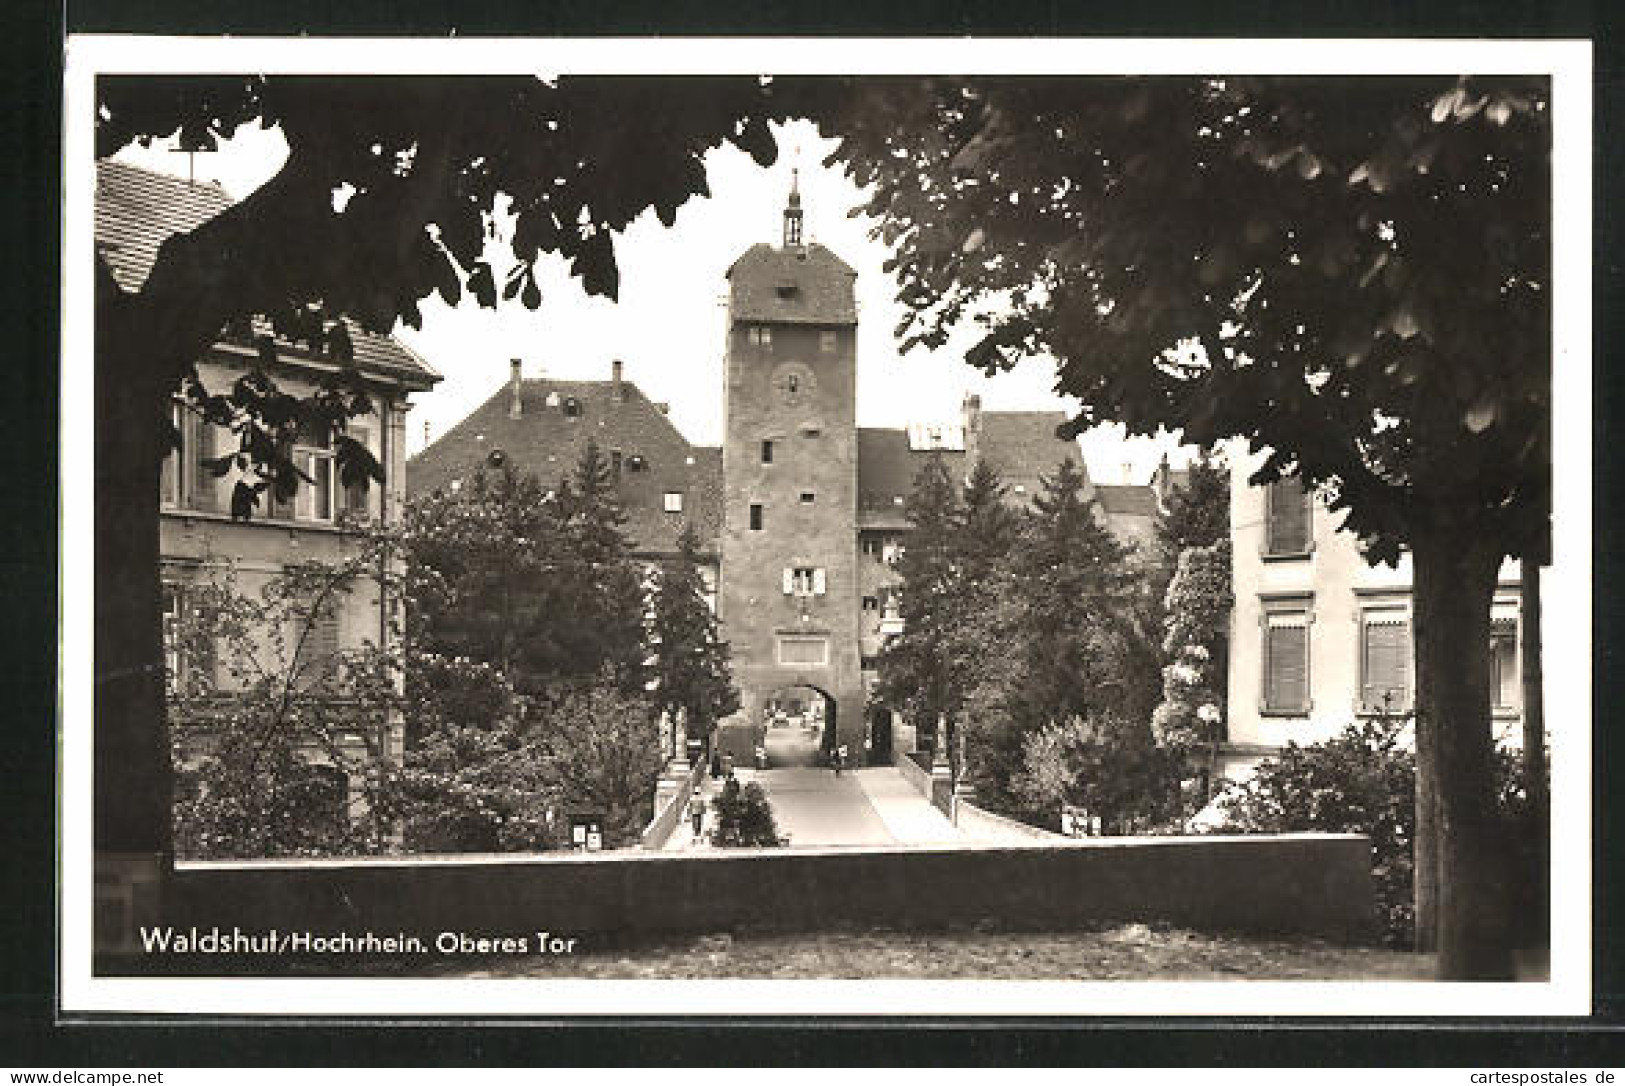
pixel 1364 781
pixel 744 817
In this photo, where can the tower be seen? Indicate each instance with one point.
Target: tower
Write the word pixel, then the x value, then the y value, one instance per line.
pixel 788 599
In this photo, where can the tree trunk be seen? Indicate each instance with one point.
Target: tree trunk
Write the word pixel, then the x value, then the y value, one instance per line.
pixel 1534 755
pixel 131 760
pixel 1455 573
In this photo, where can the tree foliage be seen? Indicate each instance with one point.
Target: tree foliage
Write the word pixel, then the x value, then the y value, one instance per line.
pixel 1352 274
pixel 691 672
pixel 744 817
pixel 1104 763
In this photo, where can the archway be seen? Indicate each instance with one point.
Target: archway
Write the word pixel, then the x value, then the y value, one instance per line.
pixel 798 726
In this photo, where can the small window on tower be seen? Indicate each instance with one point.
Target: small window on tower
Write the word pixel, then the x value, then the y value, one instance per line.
pixel 755 518
pixel 767 452
pixel 761 335
pixel 808 497
pixel 826 342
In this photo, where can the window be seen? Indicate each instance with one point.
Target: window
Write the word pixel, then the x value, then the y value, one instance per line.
pixel 767 452
pixel 761 335
pixel 189 660
pixel 169 478
pixel 871 603
pixel 674 501
pixel 636 463
pixel 1504 678
pixel 804 651
pixel 808 497
pixel 314 641
pixel 871 545
pixel 314 501
pixel 1287 519
pixel 186 479
pixel 826 342
pixel 572 408
pixel 615 462
pixel 755 518
pixel 1385 660
pixel 357 498
pixel 1286 658
pixel 804 581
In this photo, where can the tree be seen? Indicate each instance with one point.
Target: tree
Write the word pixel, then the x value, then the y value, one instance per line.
pixel 1103 763
pixel 1196 514
pixel 1351 274
pixel 280 746
pixel 691 672
pixel 916 673
pixel 482 575
pixel 744 817
pixel 600 751
pixel 424 162
pixel 600 609
pixel 1190 721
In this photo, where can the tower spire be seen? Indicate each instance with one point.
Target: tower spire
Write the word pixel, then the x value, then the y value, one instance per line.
pixel 792 211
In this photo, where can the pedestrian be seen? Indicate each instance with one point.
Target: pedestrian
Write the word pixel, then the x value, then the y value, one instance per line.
pixel 840 753
pixel 696 814
pixel 727 764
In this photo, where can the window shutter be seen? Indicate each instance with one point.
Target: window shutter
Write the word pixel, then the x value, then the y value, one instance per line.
pixel 1387 664
pixel 789 582
pixel 202 442
pixel 1288 687
pixel 818 582
pixel 1288 518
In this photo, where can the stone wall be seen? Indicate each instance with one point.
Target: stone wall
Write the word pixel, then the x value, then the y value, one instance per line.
pixel 1306 884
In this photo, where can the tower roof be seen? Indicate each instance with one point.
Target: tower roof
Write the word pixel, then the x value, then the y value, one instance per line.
pixel 795 285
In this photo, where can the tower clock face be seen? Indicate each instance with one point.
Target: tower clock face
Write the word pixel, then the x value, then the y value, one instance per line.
pixel 793 383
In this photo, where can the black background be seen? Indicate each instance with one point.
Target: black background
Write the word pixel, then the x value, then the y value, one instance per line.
pixel 29 384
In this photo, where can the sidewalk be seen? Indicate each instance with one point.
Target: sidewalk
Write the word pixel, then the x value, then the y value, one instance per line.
pixel 909 817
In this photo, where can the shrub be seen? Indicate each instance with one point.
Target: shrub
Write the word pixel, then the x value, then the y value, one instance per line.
pixel 744 817
pixel 1364 781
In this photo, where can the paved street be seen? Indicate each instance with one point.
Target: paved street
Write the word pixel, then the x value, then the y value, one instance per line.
pixel 816 809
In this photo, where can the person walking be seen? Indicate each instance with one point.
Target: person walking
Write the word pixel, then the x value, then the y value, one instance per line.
pixel 696 814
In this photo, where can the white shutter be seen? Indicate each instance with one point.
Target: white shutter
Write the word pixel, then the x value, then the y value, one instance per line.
pixel 789 581
pixel 818 582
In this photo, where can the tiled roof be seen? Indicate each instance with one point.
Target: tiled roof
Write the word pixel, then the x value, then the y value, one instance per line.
pixel 1138 501
pixel 792 285
pixel 137 209
pixel 548 441
pixel 1021 444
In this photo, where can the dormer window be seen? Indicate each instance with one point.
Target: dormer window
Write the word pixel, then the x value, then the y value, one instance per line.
pixel 636 463
pixel 572 408
pixel 787 290
pixel 552 399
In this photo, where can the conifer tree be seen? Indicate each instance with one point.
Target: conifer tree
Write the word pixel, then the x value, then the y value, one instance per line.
pixel 916 676
pixel 691 670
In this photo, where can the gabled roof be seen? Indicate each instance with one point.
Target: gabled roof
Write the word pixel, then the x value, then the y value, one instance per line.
pixel 1022 445
pixel 137 209
pixel 548 439
pixel 792 285
pixel 1135 501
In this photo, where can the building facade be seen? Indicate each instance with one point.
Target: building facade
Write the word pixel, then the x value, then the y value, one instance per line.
pixel 202 547
pixel 1318 637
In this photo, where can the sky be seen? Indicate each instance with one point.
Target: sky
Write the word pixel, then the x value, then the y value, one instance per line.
pixel 667 325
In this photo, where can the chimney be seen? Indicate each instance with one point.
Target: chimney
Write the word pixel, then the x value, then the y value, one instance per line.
pixel 617 391
pixel 1128 473
pixel 516 406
